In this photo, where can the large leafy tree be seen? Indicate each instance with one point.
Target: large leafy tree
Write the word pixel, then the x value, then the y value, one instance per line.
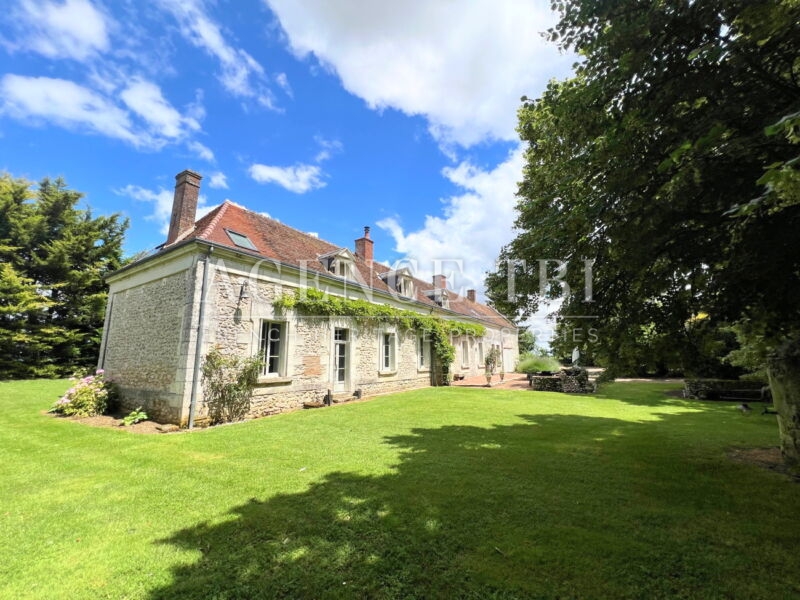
pixel 670 159
pixel 54 256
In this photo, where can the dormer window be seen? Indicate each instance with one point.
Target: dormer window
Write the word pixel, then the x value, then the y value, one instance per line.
pixel 405 285
pixel 440 296
pixel 400 281
pixel 339 267
pixel 339 263
pixel 442 299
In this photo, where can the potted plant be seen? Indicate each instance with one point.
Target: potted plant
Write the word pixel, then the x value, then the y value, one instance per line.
pixel 490 364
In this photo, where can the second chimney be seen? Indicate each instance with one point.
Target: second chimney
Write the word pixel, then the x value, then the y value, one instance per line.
pixel 471 295
pixel 365 246
pixel 440 282
pixel 184 204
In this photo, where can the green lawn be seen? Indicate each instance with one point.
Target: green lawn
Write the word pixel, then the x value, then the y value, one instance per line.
pixel 440 493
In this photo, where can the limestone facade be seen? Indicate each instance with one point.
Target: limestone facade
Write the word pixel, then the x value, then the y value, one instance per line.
pixel 150 348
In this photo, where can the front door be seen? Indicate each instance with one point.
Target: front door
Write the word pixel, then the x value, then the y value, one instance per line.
pixel 340 362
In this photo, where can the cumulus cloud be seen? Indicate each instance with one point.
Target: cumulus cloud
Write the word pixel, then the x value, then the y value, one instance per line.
pixel 465 242
pixel 69 105
pixel 302 177
pixel 240 73
pixel 298 178
pixel 145 119
pixel 461 65
pixel 72 29
pixel 161 200
pixel 218 181
pixel 146 100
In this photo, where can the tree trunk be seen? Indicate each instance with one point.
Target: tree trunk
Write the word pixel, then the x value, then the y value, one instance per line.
pixel 784 382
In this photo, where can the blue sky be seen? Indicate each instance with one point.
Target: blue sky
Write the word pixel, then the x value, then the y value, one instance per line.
pixel 326 114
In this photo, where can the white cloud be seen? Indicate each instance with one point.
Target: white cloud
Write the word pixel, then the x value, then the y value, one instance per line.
pixel 146 120
pixel 74 29
pixel 146 100
pixel 201 150
pixel 462 65
pixel 466 241
pixel 327 148
pixel 240 73
pixel 64 103
pixel 161 200
pixel 283 82
pixel 298 178
pixel 218 180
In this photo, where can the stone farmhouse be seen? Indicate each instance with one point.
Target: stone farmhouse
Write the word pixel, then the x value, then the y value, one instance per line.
pixel 213 283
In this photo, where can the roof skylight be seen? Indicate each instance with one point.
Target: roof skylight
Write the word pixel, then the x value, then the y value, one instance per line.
pixel 241 240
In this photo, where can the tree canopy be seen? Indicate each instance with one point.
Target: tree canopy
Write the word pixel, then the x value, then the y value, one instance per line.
pixel 670 159
pixel 53 257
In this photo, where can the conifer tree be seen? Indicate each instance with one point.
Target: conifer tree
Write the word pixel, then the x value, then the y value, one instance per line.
pixel 55 255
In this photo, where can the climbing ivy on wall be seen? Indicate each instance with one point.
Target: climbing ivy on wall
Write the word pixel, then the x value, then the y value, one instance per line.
pixel 318 303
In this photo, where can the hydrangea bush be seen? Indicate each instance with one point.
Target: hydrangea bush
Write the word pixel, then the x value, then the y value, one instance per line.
pixel 88 396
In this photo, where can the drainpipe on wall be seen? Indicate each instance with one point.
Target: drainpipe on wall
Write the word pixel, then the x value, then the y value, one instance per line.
pixel 200 331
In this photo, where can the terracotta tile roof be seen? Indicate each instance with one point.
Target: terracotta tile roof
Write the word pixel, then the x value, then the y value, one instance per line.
pixel 276 241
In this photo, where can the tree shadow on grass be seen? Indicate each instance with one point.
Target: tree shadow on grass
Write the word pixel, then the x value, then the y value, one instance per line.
pixel 555 506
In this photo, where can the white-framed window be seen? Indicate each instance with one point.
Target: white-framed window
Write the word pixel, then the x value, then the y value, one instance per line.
pixel 388 351
pixel 340 266
pixel 405 285
pixel 465 353
pixel 272 346
pixel 423 352
pixel 481 358
pixel 400 281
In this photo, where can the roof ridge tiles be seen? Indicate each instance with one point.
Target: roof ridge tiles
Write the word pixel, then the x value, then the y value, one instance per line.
pixel 221 210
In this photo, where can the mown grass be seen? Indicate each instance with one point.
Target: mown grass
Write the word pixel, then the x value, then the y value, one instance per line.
pixel 438 493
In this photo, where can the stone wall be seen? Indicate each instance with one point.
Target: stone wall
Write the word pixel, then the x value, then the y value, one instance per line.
pixel 152 328
pixel 233 325
pixel 547 383
pixel 144 350
pixel 569 381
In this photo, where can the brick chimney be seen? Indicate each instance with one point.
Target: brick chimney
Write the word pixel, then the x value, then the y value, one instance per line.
pixel 365 246
pixel 471 295
pixel 184 204
pixel 440 282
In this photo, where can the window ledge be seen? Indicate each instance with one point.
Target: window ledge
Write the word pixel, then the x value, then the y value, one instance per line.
pixel 387 373
pixel 423 369
pixel 265 381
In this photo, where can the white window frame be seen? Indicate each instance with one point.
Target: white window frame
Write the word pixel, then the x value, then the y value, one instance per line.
pixel 348 347
pixel 423 353
pixel 465 354
pixel 387 351
pixel 265 349
pixel 481 357
pixel 341 267
pixel 405 286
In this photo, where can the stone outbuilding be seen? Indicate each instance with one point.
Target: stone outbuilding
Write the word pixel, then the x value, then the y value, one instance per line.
pixel 213 283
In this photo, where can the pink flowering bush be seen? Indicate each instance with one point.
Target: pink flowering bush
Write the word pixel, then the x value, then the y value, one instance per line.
pixel 88 396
